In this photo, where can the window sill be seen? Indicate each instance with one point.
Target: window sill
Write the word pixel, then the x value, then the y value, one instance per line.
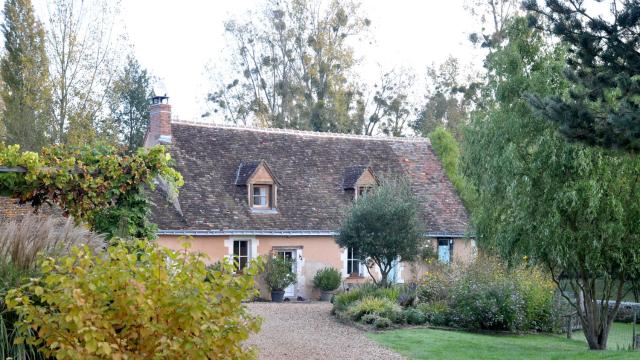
pixel 264 211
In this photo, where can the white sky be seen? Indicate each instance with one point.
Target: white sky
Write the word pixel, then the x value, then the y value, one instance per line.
pixel 175 40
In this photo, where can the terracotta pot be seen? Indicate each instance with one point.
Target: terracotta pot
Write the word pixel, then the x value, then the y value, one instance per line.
pixel 277 295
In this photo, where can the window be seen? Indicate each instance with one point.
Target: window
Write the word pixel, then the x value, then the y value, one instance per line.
pixel 353 262
pixel 445 250
pixel 363 190
pixel 261 196
pixel 240 254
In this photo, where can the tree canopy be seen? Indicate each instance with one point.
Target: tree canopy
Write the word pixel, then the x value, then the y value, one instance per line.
pixel 383 227
pixel 572 208
pixel 602 106
pixel 26 90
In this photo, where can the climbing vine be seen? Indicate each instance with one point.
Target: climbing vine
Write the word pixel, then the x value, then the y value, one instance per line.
pixel 84 182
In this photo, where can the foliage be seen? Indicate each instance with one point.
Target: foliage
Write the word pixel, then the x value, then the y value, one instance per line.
pixel 84 46
pixel 433 287
pixel 538 291
pixel 343 300
pixel 327 279
pixel 83 181
pixel 24 69
pixel 278 273
pixel 369 318
pixel 129 103
pixel 382 323
pixel 573 209
pixel 602 106
pixel 435 313
pixel 383 227
pixel 448 150
pixel 487 300
pixel 414 316
pixel 408 295
pixel 135 302
pixel 448 101
pixel 23 240
pixel 291 63
pixel 22 243
pixel 128 218
pixel 371 305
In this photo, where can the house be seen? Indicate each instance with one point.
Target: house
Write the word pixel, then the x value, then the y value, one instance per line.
pixel 250 192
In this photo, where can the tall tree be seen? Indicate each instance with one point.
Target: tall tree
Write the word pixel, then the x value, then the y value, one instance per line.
pixel 572 208
pixel 449 99
pixel 291 67
pixel 602 107
pixel 129 103
pixel 25 91
pixel 83 49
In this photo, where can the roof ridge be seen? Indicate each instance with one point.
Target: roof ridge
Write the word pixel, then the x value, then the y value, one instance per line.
pixel 302 132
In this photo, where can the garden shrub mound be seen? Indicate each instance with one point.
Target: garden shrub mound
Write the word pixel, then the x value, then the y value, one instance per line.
pixel 136 301
pixel 483 295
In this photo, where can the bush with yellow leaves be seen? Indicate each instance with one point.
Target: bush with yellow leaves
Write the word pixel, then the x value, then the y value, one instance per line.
pixel 136 302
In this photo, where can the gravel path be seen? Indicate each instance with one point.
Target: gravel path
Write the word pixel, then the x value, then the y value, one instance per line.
pixel 308 331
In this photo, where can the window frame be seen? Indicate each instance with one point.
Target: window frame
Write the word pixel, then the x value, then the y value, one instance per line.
pixel 268 189
pixel 450 245
pixel 236 259
pixel 353 261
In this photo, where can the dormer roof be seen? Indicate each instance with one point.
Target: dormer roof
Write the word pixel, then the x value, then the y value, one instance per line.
pixel 353 175
pixel 247 169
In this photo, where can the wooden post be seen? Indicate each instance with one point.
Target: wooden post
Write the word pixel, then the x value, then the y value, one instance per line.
pixel 635 342
pixel 569 327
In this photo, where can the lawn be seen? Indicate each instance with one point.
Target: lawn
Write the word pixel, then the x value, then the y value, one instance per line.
pixel 441 344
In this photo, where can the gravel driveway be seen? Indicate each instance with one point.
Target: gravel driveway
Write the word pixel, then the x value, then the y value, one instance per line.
pixel 309 331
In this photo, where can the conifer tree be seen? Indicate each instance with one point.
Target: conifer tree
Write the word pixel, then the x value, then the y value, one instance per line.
pixel 25 91
pixel 602 106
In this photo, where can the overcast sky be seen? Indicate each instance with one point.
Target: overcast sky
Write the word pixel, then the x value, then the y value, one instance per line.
pixel 175 40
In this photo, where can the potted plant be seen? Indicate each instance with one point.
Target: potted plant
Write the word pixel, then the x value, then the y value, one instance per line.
pixel 327 280
pixel 277 276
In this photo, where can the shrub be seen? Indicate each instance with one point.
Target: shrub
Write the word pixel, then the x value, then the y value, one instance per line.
pixel 136 303
pixel 371 305
pixel 407 296
pixel 433 287
pixel 382 323
pixel 414 316
pixel 486 297
pixel 395 314
pixel 278 273
pixel 538 292
pixel 343 300
pixel 22 242
pixel 435 313
pixel 369 318
pixel 327 279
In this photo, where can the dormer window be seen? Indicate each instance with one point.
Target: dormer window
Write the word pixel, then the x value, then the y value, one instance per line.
pixel 360 179
pixel 363 190
pixel 262 196
pixel 262 186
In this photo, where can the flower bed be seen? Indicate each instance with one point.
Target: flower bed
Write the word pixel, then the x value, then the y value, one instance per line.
pixel 483 295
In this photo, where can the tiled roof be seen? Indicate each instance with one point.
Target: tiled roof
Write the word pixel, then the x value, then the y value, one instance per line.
pixel 245 170
pixel 311 169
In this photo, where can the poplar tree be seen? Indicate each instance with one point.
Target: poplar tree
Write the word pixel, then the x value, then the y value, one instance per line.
pixel 25 91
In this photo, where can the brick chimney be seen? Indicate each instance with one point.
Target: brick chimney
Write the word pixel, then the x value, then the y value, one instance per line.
pixel 159 131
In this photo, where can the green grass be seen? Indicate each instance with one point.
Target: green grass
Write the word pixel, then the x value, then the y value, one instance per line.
pixel 441 344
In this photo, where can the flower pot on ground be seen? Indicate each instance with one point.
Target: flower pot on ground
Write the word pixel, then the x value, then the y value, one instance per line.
pixel 327 280
pixel 278 274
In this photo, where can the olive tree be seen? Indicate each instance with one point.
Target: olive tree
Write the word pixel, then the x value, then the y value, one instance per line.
pixel 383 227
